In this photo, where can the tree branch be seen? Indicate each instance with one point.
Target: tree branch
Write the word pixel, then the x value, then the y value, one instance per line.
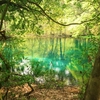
pixel 43 12
pixel 4 13
pixel 3 2
pixel 14 4
pixel 82 22
pixel 32 90
pixel 19 6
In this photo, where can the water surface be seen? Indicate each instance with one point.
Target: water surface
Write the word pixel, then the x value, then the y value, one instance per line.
pixel 67 56
pixel 56 52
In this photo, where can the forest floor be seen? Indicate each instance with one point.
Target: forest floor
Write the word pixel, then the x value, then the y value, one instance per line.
pixel 22 93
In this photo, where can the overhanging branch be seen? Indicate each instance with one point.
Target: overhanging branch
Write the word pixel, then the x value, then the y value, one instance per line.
pixel 19 6
pixel 2 2
pixel 43 12
pixel 82 22
pixel 14 4
pixel 3 14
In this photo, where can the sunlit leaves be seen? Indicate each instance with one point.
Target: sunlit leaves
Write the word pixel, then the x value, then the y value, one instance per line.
pixel 28 14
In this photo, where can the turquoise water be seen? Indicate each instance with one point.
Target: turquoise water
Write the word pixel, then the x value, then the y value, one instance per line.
pixel 63 55
pixel 57 53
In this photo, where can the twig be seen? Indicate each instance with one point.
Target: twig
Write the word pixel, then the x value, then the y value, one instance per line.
pixel 28 93
pixel 5 96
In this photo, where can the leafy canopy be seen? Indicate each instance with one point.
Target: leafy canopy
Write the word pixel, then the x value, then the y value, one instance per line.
pixel 37 15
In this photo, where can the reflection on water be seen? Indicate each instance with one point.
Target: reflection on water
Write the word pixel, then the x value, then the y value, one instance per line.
pixel 67 56
pixel 55 53
pixel 64 55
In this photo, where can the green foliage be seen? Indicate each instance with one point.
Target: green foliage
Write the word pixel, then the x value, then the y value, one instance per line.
pixel 9 58
pixel 37 68
pixel 38 16
pixel 81 61
pixel 48 75
pixel 28 16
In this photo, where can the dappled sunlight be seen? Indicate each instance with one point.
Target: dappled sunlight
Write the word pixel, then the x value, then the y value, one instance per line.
pixel 48 49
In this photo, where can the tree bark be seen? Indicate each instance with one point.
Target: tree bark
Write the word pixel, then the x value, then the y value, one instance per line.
pixel 93 88
pixel 2 19
pixel 3 14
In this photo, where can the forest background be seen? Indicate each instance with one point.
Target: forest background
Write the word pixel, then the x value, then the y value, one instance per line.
pixel 73 18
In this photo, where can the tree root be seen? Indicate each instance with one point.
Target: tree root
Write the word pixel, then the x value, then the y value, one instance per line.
pixel 32 90
pixel 5 96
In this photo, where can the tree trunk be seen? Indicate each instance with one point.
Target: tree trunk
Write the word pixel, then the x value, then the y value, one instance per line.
pixel 93 88
pixel 2 19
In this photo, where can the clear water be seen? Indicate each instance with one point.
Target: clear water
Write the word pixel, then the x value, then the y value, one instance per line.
pixel 57 52
pixel 66 56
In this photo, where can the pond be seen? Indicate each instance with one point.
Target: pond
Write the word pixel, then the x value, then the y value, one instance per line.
pixel 55 53
pixel 68 57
